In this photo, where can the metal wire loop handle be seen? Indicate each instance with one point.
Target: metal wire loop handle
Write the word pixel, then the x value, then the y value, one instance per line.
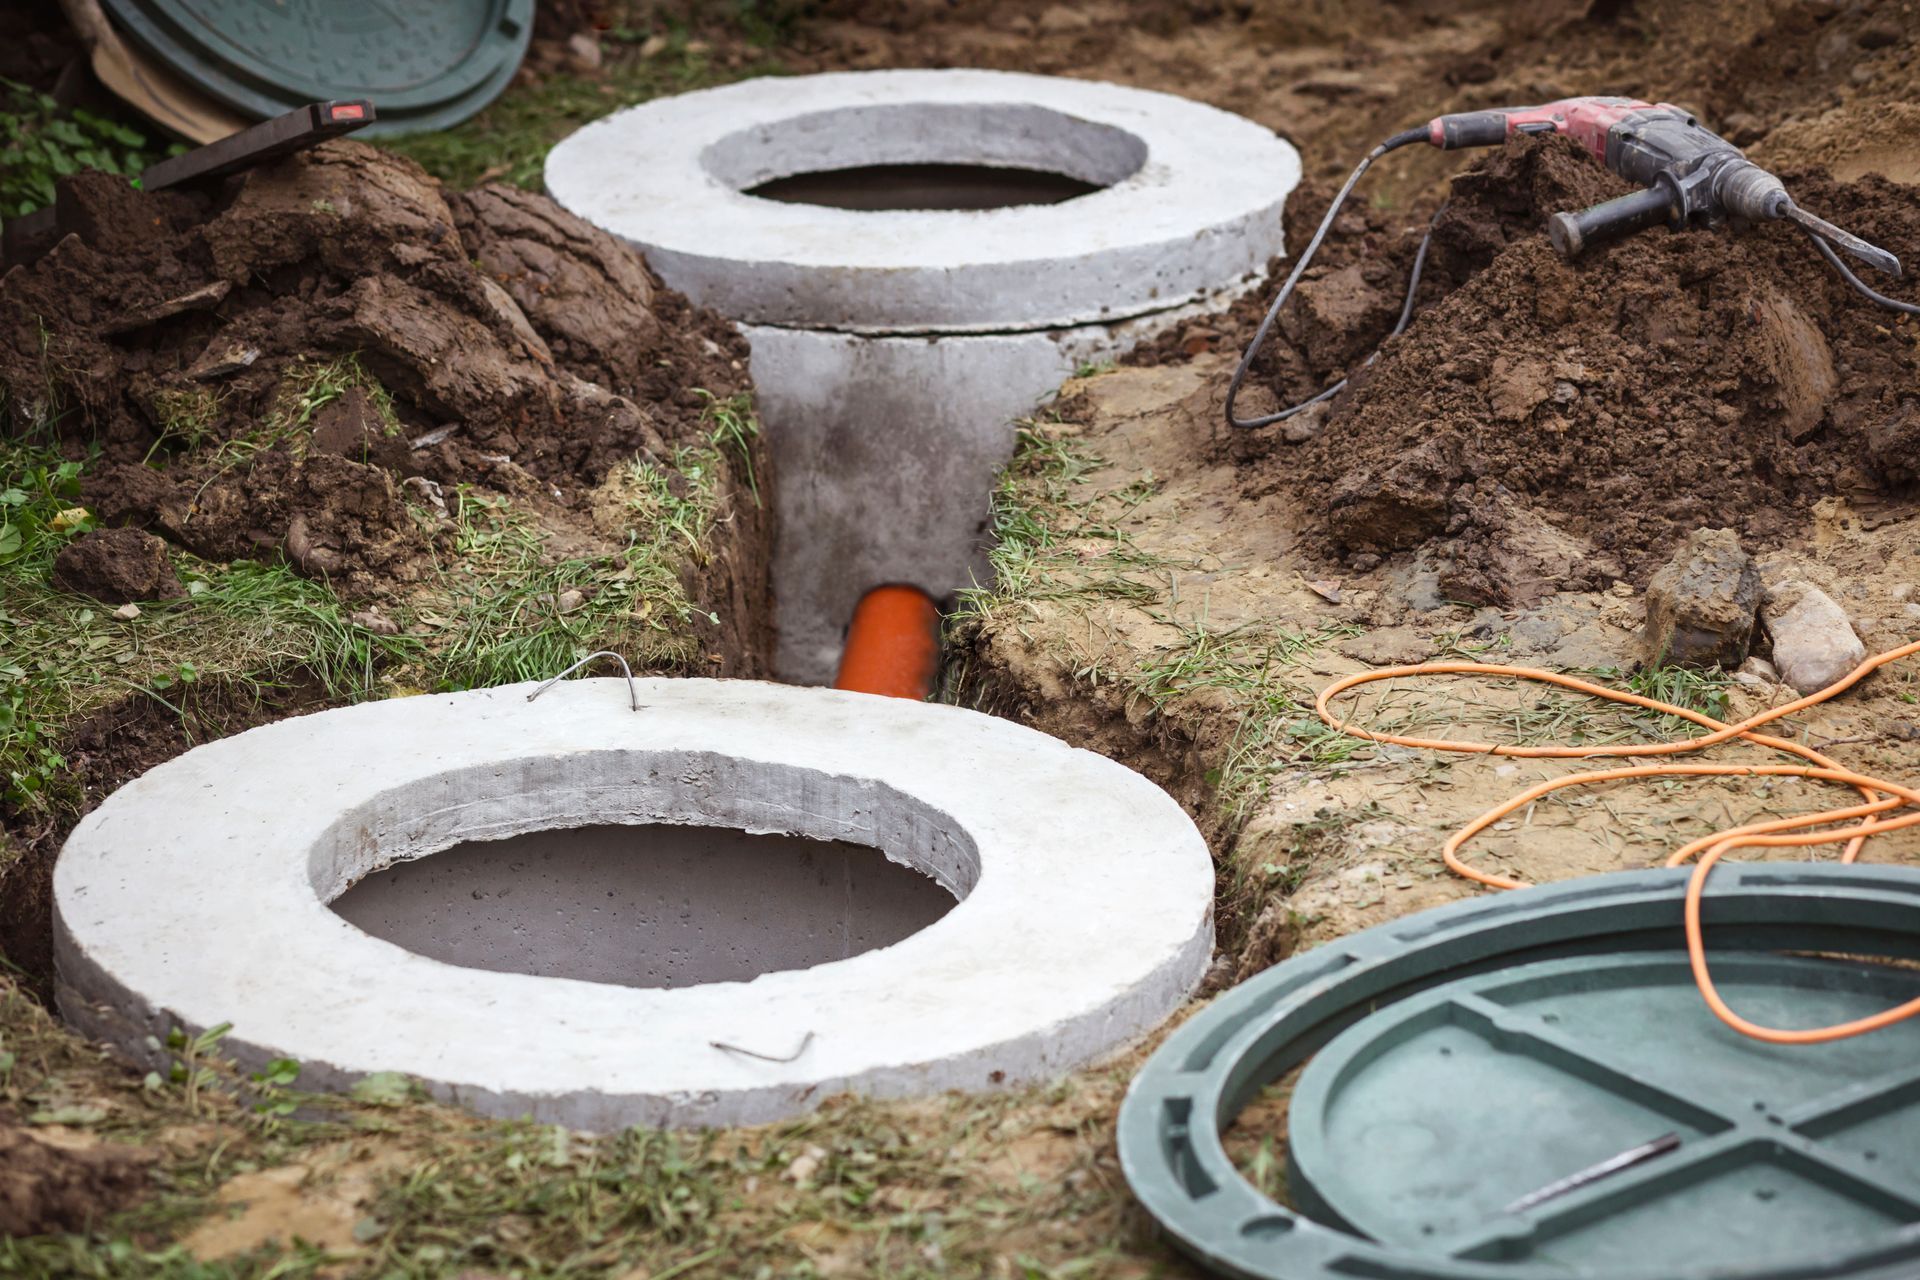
pixel 633 690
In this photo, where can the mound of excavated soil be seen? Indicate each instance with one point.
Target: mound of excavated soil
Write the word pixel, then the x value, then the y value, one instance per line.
pixel 1546 425
pixel 521 349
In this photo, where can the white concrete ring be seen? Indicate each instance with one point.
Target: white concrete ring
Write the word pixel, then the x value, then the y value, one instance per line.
pixel 1191 205
pixel 197 895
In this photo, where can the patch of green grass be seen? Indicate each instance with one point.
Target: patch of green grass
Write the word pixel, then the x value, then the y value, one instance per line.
pixel 733 429
pixel 914 1190
pixel 1695 690
pixel 1053 542
pixel 64 656
pixel 1275 727
pixel 187 416
pixel 41 142
pixel 1060 537
pixel 510 139
pixel 508 612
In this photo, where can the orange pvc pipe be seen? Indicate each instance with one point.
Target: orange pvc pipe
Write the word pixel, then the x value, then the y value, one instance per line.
pixel 893 644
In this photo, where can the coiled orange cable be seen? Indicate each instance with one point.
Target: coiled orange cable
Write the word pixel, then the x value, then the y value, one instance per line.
pixel 1880 796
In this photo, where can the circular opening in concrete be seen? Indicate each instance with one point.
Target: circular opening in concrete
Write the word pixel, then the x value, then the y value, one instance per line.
pixel 876 187
pixel 926 156
pixel 645 906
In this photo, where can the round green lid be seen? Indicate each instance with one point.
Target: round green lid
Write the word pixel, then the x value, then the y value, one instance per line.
pixel 425 64
pixel 1593 1116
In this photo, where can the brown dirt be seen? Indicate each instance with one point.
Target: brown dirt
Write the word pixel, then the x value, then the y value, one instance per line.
pixel 1545 424
pixel 167 323
pixel 59 1179
pixel 1228 558
pixel 118 566
pixel 1201 674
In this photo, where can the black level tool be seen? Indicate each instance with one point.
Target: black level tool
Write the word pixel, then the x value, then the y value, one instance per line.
pixel 25 239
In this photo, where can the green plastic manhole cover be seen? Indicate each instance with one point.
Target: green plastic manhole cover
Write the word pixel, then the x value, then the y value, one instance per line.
pixel 1530 1086
pixel 1589 1114
pixel 425 64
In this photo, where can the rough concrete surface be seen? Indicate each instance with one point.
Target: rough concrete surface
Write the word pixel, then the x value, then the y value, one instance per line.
pixel 1085 912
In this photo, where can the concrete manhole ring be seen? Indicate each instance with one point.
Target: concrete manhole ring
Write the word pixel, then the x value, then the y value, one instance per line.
pixel 1190 200
pixel 198 894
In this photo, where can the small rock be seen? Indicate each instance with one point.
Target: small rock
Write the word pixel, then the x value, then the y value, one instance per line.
pixel 117 566
pixel 1813 642
pixel 569 600
pixel 583 52
pixel 127 612
pixel 1702 603
pixel 372 620
pixel 801 1168
pixel 1760 669
pixel 1903 592
pixel 1304 425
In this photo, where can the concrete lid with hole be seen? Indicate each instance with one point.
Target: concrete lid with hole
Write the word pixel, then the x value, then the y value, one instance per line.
pixel 1190 204
pixel 197 895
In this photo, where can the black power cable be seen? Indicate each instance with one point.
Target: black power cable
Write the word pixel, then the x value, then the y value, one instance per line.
pixel 1866 290
pixel 1398 140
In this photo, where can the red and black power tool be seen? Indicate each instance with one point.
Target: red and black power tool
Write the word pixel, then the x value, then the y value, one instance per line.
pixel 1692 176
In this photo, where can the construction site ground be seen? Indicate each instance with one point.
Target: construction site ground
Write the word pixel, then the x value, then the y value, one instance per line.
pixel 1500 485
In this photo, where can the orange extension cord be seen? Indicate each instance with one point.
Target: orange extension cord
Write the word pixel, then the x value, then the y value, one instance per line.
pixel 1880 796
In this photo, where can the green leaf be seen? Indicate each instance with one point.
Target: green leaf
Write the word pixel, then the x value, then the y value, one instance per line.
pixel 208 1039
pixel 279 1073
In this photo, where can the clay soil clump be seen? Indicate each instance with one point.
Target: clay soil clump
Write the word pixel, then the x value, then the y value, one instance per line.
pixel 267 370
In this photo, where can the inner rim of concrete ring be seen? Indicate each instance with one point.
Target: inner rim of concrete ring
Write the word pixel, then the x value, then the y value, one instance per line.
pixel 994 135
pixel 197 895
pixel 745 916
pixel 541 793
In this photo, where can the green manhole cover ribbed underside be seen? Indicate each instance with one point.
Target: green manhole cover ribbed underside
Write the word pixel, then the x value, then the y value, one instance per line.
pixel 1430 1124
pixel 425 64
